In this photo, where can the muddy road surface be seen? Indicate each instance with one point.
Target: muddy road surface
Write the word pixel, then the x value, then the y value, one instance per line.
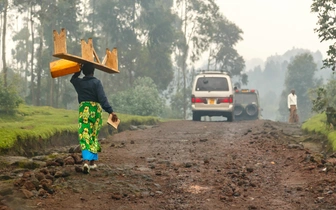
pixel 185 165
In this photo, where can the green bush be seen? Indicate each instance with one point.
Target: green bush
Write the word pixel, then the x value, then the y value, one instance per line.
pixel 9 98
pixel 318 124
pixel 323 97
pixel 143 99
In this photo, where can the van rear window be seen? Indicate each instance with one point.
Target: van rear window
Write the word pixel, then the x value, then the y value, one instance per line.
pixel 212 84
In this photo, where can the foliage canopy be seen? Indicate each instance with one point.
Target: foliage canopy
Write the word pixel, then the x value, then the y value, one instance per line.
pixel 143 99
pixel 326 27
pixel 300 77
pixel 9 98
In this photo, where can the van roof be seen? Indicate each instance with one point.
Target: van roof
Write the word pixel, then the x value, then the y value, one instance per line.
pixel 213 72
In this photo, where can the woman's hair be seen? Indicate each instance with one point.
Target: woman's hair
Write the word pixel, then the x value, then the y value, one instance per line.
pixel 87 69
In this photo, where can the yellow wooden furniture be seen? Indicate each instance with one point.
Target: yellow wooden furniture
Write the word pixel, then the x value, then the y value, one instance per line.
pixel 68 63
pixel 63 67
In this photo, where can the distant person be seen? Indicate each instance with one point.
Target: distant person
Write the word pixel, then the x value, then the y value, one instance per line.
pixel 92 100
pixel 292 106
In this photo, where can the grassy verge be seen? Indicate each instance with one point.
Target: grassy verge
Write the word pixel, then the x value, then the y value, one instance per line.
pixel 41 123
pixel 317 124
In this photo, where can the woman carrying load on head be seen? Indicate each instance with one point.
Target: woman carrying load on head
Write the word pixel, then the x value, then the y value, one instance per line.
pixel 92 100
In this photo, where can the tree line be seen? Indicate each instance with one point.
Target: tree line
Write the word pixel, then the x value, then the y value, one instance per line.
pixel 159 43
pixel 159 40
pixel 298 69
pixel 302 70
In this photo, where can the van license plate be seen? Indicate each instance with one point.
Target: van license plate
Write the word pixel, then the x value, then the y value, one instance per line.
pixel 212 101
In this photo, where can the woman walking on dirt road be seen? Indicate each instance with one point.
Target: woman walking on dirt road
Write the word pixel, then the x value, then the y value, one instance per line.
pixel 92 99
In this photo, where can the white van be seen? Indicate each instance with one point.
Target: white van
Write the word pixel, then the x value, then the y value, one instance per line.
pixel 212 95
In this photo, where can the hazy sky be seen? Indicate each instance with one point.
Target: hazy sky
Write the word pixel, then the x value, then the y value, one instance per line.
pixel 273 26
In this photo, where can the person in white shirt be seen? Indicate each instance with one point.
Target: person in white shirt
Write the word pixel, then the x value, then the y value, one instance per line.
pixel 292 106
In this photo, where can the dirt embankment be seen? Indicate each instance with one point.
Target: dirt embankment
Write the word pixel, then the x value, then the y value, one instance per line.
pixel 35 147
pixel 185 165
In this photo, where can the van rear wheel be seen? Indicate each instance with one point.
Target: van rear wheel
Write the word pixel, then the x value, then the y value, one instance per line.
pixel 238 110
pixel 251 110
pixel 196 116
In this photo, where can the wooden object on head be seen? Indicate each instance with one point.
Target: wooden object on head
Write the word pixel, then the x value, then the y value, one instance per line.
pixel 111 58
pixel 87 50
pixel 89 55
pixel 60 41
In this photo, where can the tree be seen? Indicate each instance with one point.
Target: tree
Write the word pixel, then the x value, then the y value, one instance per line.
pixel 116 24
pixel 224 37
pixel 149 34
pixel 57 15
pixel 143 99
pixel 156 22
pixel 300 77
pixel 205 29
pixel 34 41
pixel 22 6
pixel 177 103
pixel 21 54
pixel 4 33
pixel 9 98
pixel 326 27
pixel 324 96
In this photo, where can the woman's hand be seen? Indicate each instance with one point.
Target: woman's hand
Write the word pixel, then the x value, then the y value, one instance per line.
pixel 114 117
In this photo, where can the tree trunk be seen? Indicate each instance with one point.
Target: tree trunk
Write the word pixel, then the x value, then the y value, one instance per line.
pixel 26 62
pixel 39 70
pixel 51 82
pixel 184 66
pixel 209 59
pixel 57 92
pixel 32 57
pixel 184 88
pixel 4 64
pixel 51 93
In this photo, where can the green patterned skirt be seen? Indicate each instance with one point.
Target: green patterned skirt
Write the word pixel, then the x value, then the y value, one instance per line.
pixel 89 125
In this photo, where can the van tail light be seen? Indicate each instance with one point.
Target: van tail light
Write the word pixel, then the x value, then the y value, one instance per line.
pixel 226 100
pixel 196 100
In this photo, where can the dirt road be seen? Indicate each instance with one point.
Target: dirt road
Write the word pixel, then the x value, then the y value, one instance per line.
pixel 189 165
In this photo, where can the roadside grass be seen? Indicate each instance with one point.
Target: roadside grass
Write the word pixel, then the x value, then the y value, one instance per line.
pixel 42 122
pixel 318 124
